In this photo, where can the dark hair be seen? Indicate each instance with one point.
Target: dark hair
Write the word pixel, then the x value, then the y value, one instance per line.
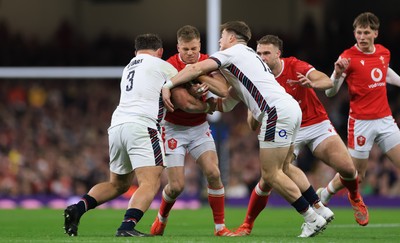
pixel 148 42
pixel 271 39
pixel 240 28
pixel 188 33
pixel 366 19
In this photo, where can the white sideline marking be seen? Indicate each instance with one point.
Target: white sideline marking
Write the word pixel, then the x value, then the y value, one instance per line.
pixel 355 225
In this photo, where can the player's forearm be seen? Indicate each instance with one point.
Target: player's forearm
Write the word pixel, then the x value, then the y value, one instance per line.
pixel 322 82
pixel 196 107
pixel 186 102
pixel 216 84
pixel 185 75
pixel 323 85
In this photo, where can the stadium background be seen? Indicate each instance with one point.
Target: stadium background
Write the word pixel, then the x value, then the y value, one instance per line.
pixel 53 132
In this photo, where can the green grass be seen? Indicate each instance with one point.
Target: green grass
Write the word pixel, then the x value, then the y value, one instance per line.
pixel 273 225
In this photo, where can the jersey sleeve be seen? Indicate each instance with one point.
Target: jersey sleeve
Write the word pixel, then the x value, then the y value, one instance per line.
pixel 303 67
pixel 222 58
pixel 169 70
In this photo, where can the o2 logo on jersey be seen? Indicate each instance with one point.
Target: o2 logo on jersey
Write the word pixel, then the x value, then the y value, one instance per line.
pixel 376 75
pixel 282 133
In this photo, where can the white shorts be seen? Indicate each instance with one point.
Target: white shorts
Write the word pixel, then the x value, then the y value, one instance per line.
pixel 362 134
pixel 313 135
pixel 280 125
pixel 179 140
pixel 134 145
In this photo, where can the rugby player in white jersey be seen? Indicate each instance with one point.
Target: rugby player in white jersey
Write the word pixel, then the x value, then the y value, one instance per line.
pixel 135 144
pixel 253 83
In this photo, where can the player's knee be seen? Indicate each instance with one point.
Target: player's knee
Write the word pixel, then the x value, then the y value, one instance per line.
pixel 263 186
pixel 346 171
pixel 176 188
pixel 213 175
pixel 268 177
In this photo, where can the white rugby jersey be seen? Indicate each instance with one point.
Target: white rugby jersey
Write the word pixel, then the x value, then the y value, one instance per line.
pixel 251 77
pixel 141 84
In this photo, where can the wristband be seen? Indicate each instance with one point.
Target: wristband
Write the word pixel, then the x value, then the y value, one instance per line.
pixel 338 80
pixel 168 84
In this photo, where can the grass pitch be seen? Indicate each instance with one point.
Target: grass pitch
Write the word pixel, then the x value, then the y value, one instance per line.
pixel 273 225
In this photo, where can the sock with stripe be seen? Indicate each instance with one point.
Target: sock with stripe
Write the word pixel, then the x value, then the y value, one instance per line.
pixel 258 201
pixel 85 204
pixel 131 218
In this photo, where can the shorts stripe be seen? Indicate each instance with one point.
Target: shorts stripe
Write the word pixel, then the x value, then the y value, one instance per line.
pixel 350 134
pixel 160 114
pixel 271 125
pixel 155 143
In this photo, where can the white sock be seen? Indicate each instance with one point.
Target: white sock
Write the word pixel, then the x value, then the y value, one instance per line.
pixel 327 193
pixel 218 227
pixel 318 207
pixel 310 215
pixel 161 218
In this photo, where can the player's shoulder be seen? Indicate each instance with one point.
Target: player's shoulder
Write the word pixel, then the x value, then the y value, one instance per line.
pixel 350 51
pixel 290 59
pixel 162 65
pixel 203 56
pixel 381 49
pixel 294 62
pixel 173 59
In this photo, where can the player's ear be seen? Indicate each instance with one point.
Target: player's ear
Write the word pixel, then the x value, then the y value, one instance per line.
pixel 160 52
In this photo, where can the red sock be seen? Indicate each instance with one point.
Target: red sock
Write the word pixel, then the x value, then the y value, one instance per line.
pixel 352 186
pixel 256 204
pixel 216 199
pixel 165 207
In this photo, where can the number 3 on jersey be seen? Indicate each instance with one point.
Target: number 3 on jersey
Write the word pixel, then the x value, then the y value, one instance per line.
pixel 129 86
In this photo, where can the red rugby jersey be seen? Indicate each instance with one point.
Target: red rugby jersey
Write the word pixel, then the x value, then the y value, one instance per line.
pixel 180 117
pixel 366 80
pixel 312 109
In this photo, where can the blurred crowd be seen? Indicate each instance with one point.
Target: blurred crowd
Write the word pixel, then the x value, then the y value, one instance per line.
pixel 53 132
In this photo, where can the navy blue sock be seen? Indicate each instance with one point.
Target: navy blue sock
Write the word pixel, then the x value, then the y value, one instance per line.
pixel 301 205
pixel 311 196
pixel 85 204
pixel 131 218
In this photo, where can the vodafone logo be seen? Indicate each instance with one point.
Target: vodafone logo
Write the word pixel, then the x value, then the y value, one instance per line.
pixel 172 143
pixel 376 74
